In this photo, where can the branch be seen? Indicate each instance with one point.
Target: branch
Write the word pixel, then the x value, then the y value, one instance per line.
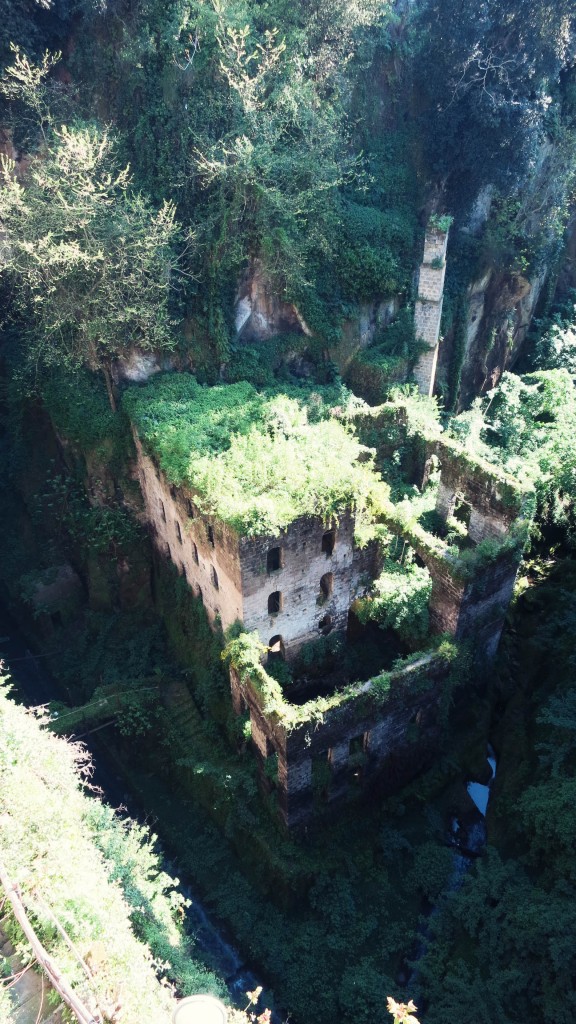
pixel 57 980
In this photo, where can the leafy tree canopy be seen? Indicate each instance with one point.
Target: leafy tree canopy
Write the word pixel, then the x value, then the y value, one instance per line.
pixel 90 262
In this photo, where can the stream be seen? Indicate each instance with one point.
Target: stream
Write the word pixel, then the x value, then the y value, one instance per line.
pixel 33 685
pixel 468 840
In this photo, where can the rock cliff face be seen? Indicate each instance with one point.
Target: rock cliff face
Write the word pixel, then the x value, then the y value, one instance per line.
pixel 498 310
pixel 260 313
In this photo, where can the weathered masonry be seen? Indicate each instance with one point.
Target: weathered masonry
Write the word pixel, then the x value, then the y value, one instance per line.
pixel 428 308
pixel 290 589
pixel 299 585
pixel 389 726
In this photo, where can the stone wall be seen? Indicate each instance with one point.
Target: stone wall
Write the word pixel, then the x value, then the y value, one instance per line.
pixel 308 596
pixel 363 740
pixel 306 609
pixel 492 506
pixel 428 308
pixel 202 548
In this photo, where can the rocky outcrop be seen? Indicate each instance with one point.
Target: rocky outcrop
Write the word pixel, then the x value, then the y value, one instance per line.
pixel 259 312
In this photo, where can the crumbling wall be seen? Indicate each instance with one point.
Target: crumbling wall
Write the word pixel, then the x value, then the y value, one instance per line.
pixel 494 504
pixel 307 610
pixel 202 548
pixel 373 735
pixel 428 308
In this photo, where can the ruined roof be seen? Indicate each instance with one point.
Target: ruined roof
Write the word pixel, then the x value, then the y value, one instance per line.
pixel 257 460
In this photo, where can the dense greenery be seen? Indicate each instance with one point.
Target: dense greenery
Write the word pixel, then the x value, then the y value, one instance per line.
pixel 258 461
pixel 89 260
pixel 527 425
pixel 95 875
pixel 179 151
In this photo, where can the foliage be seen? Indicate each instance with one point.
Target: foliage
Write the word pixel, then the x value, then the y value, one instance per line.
pixel 375 371
pixel 399 601
pixel 90 260
pixel 258 461
pixel 526 425
pixel 79 409
pixel 63 873
pixel 488 79
pixel 554 339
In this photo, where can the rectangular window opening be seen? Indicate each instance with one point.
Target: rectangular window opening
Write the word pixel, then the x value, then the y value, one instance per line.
pixel 275 602
pixel 274 559
pixel 328 542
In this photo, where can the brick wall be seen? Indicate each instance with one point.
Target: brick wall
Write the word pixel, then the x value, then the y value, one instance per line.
pixel 428 308
pixel 181 533
pixel 380 732
pixel 304 607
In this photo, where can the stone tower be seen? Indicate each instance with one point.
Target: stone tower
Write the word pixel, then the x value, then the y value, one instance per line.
pixel 428 309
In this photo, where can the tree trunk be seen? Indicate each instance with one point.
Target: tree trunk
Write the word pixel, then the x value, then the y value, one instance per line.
pixel 110 388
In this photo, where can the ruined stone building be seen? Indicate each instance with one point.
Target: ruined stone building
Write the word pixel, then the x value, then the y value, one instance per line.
pixel 299 583
pixel 290 588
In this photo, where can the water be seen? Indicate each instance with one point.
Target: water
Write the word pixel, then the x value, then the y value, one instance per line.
pixel 33 686
pixel 469 841
pixel 481 794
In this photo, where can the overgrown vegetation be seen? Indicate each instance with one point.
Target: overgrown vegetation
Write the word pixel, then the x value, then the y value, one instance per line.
pixel 95 877
pixel 300 147
pixel 257 461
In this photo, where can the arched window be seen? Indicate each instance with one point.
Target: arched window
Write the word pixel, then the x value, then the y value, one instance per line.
pixel 178 532
pixel 275 603
pixel 195 553
pixel 214 575
pixel 162 511
pixel 325 625
pixel 211 536
pixel 276 647
pixel 326 585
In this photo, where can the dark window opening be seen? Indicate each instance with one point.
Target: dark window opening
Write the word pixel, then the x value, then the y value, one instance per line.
pixel 199 593
pixel 321 776
pixel 357 744
pixel 173 492
pixel 215 578
pixel 326 585
pixel 275 603
pixel 328 542
pixel 276 648
pixel 162 511
pixel 357 758
pixel 325 625
pixel 190 508
pixel 462 511
pixel 184 573
pixel 178 531
pixel 211 536
pixel 195 553
pixel 168 551
pixel 274 559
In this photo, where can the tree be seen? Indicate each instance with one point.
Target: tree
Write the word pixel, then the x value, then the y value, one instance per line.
pixel 90 262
